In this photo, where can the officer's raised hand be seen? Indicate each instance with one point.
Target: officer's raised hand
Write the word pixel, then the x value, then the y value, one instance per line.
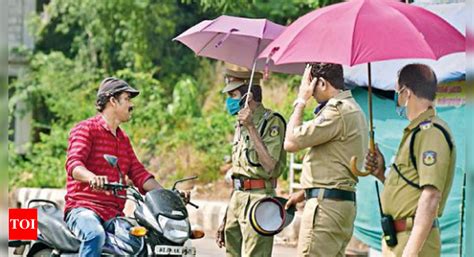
pixel 307 85
pixel 375 163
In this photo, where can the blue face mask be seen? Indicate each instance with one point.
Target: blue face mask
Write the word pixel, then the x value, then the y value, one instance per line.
pixel 232 105
pixel 401 110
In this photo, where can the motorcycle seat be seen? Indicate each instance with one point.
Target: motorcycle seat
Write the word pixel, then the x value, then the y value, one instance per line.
pixel 55 231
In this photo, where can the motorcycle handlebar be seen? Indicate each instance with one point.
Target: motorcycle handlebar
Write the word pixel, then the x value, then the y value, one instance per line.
pixel 193 205
pixel 115 186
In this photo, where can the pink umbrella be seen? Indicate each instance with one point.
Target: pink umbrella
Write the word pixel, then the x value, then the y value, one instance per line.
pixel 236 40
pixel 364 31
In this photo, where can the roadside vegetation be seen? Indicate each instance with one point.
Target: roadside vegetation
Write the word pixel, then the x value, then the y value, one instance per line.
pixel 179 126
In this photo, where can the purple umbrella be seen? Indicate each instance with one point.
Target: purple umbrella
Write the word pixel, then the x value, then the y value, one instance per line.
pixel 238 41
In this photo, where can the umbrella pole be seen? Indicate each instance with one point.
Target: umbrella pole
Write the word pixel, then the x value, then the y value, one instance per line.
pixel 251 82
pixel 371 119
pixel 354 168
pixel 461 227
pixel 254 66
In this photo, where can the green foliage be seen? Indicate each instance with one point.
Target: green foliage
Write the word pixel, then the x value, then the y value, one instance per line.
pixel 57 90
pixel 60 92
pixel 185 99
pixel 115 34
pixel 280 11
pixel 43 165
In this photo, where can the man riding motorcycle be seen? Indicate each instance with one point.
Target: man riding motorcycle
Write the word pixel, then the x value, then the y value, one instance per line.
pixel 88 205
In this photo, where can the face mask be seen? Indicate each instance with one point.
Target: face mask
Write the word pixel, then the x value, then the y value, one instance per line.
pixel 401 110
pixel 232 105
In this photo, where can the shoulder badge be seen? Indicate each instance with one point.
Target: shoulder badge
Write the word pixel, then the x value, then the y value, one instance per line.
pixel 334 102
pixel 274 131
pixel 426 125
pixel 429 158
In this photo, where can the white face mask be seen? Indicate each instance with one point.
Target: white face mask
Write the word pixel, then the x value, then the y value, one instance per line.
pixel 401 110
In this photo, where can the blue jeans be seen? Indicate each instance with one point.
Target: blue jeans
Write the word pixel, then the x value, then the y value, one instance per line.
pixel 87 226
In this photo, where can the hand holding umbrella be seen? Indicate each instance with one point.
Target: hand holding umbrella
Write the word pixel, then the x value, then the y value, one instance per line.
pixel 375 163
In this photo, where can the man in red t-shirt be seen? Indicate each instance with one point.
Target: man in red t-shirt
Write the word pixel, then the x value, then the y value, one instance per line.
pixel 88 205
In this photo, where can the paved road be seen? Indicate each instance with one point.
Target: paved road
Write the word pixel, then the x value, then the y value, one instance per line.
pixel 206 247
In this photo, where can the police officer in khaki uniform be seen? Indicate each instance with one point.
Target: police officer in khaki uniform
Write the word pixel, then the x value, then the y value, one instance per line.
pixel 420 179
pixel 258 159
pixel 337 132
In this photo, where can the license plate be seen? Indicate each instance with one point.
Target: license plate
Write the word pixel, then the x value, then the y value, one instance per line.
pixel 174 250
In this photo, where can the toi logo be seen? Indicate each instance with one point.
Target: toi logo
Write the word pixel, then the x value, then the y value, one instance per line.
pixel 23 224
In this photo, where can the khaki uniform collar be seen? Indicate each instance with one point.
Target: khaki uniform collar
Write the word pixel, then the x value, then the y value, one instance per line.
pixel 426 115
pixel 342 95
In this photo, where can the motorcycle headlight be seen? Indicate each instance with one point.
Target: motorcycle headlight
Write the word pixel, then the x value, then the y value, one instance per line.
pixel 150 218
pixel 174 230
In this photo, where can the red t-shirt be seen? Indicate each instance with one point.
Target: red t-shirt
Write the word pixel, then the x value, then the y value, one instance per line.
pixel 88 142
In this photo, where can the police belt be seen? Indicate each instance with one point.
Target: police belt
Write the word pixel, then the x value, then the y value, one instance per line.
pixel 335 194
pixel 402 225
pixel 243 184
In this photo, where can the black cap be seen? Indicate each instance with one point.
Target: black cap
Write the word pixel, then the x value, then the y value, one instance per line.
pixel 111 85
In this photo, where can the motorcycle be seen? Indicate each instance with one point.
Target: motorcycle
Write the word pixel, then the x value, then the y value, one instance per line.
pixel 160 225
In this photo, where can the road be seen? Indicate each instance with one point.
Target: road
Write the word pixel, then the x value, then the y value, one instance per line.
pixel 207 247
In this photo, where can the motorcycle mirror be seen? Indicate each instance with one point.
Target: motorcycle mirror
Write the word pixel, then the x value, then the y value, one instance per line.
pixel 111 160
pixel 182 180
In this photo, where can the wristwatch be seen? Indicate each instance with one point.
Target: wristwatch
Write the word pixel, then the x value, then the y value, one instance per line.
pixel 299 101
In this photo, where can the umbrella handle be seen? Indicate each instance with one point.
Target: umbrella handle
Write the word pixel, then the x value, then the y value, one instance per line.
pixel 354 169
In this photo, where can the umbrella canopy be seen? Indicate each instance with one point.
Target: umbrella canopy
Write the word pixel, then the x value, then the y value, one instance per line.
pixel 447 68
pixel 362 31
pixel 235 40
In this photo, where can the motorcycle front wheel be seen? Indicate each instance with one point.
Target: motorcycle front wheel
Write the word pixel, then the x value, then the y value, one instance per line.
pixel 43 253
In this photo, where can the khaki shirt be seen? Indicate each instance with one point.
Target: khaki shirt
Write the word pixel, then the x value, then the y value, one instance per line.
pixel 244 156
pixel 435 164
pixel 337 132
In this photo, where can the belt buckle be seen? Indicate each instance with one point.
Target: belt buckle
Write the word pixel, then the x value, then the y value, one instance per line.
pixel 307 194
pixel 237 184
